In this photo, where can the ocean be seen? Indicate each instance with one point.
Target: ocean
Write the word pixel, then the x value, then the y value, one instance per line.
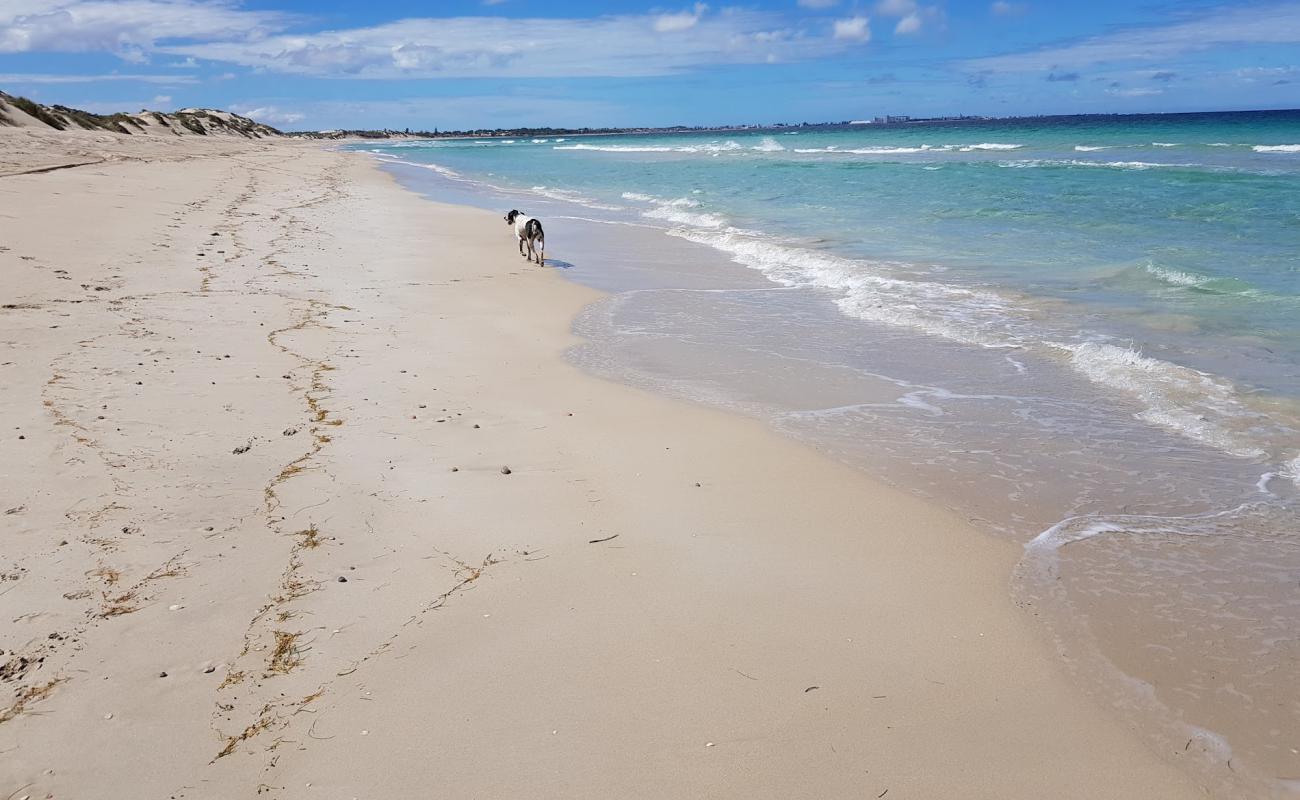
pixel 1081 333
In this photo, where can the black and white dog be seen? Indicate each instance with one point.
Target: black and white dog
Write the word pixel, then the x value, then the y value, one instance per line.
pixel 529 232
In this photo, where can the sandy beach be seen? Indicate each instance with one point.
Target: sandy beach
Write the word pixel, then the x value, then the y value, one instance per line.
pixel 300 498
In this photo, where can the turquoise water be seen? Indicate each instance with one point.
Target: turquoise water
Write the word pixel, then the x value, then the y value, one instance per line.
pixel 1171 234
pixel 1082 333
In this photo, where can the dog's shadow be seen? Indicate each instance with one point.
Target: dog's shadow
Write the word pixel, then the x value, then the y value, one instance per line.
pixel 558 264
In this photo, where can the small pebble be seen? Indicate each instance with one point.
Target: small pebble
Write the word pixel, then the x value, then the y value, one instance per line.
pixel 505 470
pixel 476 425
pixel 162 674
pixel 455 469
pixel 174 607
pixel 108 716
pixel 342 579
pixel 209 670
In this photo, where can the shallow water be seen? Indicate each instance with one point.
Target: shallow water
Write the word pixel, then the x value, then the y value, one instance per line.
pixel 1095 352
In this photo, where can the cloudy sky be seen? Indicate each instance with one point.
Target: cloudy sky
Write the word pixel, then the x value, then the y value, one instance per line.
pixel 469 63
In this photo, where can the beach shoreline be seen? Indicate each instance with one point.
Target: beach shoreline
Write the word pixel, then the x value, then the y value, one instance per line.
pixel 308 498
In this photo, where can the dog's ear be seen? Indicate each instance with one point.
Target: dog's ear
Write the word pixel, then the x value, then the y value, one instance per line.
pixel 511 216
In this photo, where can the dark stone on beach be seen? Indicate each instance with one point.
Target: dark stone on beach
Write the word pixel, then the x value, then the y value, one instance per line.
pixel 290 431
pixel 455 469
pixel 475 424
pixel 20 436
pixel 243 448
pixel 697 485
pixel 162 674
pixel 209 670
pixel 342 579
pixel 139 383
pixel 214 234
pixel 505 470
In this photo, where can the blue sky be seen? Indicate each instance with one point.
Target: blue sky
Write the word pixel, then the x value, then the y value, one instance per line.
pixel 490 63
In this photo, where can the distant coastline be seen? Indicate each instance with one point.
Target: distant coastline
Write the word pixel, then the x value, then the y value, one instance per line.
pixel 877 122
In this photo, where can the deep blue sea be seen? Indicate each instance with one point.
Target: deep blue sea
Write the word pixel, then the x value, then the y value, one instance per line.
pixel 1080 332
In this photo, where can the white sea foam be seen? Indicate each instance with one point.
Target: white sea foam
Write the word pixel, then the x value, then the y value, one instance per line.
pixel 991 146
pixel 1165 144
pixel 1083 148
pixel 675 211
pixel 1291 471
pixel 1078 529
pixel 571 197
pixel 1195 404
pixel 768 145
pixel 618 148
pixel 540 141
pixel 951 312
pixel 1176 277
pixel 1276 148
pixel 711 147
pixel 681 202
pixel 872 151
pixel 1031 163
pixel 1220 144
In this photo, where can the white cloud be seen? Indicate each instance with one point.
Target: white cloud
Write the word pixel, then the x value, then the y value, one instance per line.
pixel 1271 24
pixel 448 113
pixel 161 99
pixel 627 45
pixel 1265 73
pixel 1003 8
pixel 818 4
pixel 128 28
pixel 666 23
pixel 1141 92
pixel 909 24
pixel 268 114
pixel 617 46
pixel 912 16
pixel 20 79
pixel 895 8
pixel 853 29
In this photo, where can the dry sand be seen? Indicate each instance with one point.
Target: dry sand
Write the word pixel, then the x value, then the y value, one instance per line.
pixel 258 540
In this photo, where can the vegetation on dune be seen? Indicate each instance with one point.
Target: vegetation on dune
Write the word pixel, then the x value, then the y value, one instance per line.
pixel 200 122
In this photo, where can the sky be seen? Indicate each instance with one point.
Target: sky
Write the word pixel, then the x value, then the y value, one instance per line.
pixel 324 64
